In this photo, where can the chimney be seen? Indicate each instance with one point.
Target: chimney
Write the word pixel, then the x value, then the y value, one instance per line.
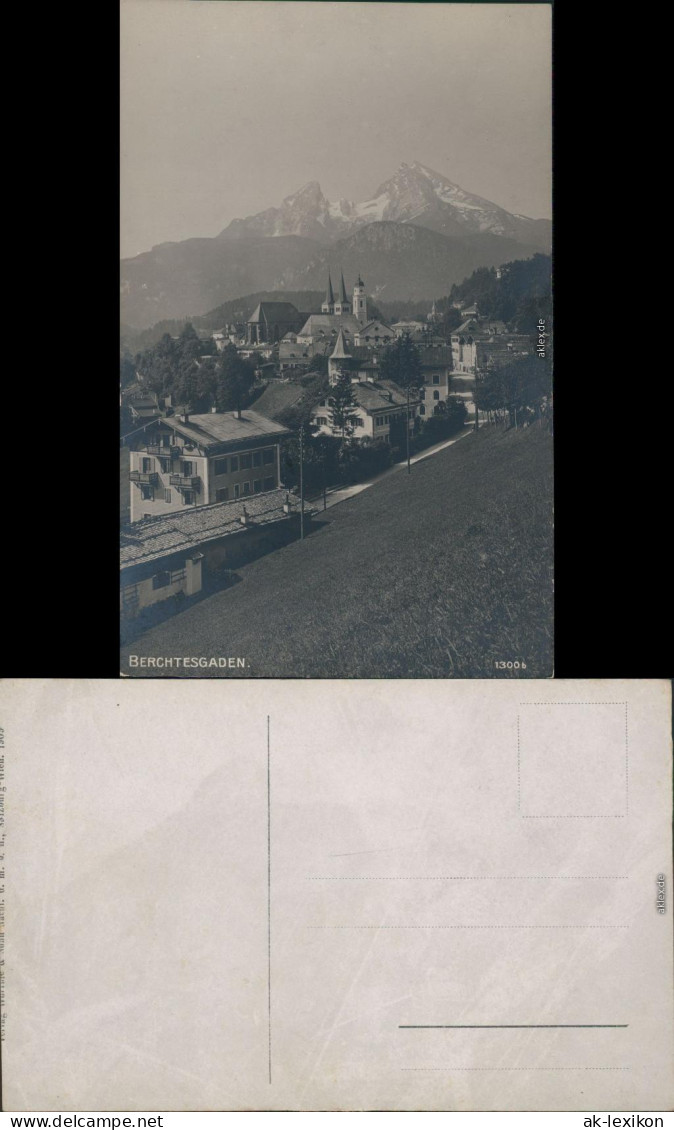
pixel 244 516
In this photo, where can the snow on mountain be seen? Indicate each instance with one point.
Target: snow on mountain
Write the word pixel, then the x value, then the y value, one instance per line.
pixel 414 194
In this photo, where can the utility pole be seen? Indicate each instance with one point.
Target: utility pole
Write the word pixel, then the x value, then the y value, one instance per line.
pixel 407 429
pixel 325 485
pixel 302 481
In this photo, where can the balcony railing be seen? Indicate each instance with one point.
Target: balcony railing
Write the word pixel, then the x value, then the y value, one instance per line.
pixel 166 452
pixel 185 482
pixel 144 478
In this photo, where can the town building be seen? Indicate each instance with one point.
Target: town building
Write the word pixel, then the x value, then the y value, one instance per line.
pixel 142 406
pixel 374 334
pixel 177 555
pixel 464 340
pixel 436 365
pixel 409 326
pixel 194 460
pixel 502 350
pixel 271 321
pixel 379 401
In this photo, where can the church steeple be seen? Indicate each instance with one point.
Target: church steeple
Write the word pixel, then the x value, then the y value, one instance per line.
pixel 338 361
pixel 339 352
pixel 328 306
pixel 342 306
pixel 360 302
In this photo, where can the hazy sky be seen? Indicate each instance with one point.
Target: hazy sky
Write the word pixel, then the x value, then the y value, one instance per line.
pixel 230 105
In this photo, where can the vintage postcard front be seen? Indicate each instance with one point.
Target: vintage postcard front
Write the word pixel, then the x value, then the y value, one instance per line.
pixel 374 895
pixel 336 340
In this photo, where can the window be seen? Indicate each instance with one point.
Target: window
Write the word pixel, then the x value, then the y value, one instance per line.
pixel 188 467
pixel 246 488
pixel 257 458
pixel 147 494
pixel 161 580
pixel 269 483
pixel 237 490
pixel 257 486
pixel 436 395
pixel 422 393
pixel 188 497
pixel 268 455
pixel 234 463
pixel 246 462
pixel 222 494
pixel 422 409
pixel 146 466
pixel 167 495
pixel 436 379
pixel 322 420
pixel 220 467
pixel 165 465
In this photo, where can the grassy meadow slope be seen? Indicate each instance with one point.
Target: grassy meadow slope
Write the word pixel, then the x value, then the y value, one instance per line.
pixel 434 575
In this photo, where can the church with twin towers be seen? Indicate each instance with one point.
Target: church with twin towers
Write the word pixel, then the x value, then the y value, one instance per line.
pixel 357 306
pixel 281 322
pixel 346 315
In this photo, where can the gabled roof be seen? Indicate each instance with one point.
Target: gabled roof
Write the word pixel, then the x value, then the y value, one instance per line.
pixel 278 396
pixel 154 538
pixel 373 323
pixel 483 326
pixel 374 396
pixel 432 357
pixel 212 428
pixel 327 323
pixel 274 312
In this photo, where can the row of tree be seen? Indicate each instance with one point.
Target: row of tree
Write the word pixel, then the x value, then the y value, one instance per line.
pixel 190 371
pixel 515 393
pixel 519 294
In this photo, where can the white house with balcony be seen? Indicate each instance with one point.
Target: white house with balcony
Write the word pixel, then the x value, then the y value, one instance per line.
pixel 194 460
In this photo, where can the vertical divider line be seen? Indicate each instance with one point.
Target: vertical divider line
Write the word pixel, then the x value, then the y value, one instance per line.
pixel 269 894
pixel 627 766
pixel 519 786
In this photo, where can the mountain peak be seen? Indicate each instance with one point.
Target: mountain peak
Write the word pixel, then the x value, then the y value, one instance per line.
pixel 309 191
pixel 415 194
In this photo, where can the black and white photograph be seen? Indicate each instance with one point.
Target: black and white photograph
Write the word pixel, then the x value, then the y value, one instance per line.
pixel 336 417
